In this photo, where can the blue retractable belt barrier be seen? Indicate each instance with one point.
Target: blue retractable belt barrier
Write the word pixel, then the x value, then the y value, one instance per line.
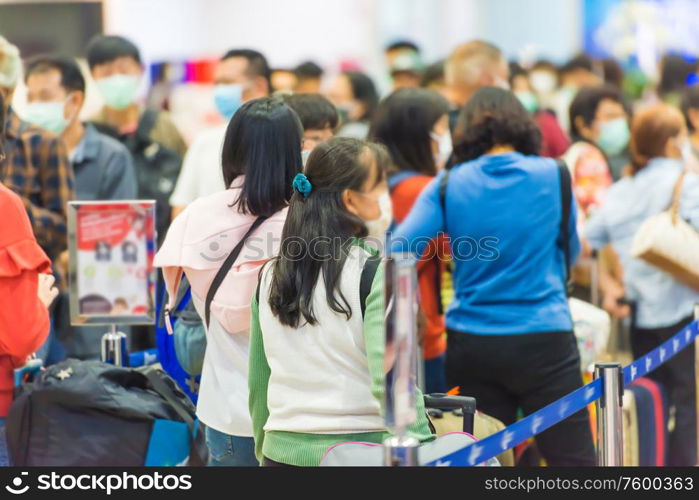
pixel 563 408
pixel 143 358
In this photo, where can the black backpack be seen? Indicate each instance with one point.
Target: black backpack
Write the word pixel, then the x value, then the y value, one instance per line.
pixel 157 167
pixel 78 413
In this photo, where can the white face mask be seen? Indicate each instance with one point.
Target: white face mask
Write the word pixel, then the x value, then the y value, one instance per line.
pixel 444 147
pixel 377 228
pixel 304 157
pixel 543 82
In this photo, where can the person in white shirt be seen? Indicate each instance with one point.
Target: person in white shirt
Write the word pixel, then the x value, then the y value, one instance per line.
pixel 261 155
pixel 241 75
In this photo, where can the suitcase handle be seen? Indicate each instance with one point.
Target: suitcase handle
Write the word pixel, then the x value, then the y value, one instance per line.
pixel 464 403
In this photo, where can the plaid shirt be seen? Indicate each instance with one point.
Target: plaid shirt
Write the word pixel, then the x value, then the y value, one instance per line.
pixel 37 168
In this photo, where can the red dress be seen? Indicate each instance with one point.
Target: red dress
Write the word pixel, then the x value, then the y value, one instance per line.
pixel 24 320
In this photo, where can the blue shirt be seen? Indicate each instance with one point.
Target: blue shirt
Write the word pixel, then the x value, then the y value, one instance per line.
pixel 661 301
pixel 103 168
pixel 503 215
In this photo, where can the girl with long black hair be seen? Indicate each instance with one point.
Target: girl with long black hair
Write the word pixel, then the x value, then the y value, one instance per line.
pixel 316 352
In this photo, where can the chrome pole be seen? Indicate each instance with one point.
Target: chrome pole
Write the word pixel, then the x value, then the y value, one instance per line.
pixel 114 350
pixel 610 439
pixel 399 360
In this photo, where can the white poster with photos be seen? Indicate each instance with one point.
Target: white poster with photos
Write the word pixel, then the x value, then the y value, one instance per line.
pixel 111 248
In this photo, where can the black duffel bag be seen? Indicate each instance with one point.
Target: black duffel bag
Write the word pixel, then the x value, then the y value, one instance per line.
pixel 88 413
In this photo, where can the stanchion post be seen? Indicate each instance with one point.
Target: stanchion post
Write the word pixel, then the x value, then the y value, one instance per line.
pixel 696 375
pixel 610 438
pixel 114 350
pixel 399 360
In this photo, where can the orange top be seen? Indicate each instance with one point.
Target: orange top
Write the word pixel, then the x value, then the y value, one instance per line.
pixel 24 320
pixel 430 267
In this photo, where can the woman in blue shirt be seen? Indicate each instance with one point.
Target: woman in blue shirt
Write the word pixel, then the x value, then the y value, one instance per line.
pixel 663 305
pixel 509 331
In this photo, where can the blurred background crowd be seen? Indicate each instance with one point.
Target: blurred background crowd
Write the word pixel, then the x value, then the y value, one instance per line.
pixel 129 99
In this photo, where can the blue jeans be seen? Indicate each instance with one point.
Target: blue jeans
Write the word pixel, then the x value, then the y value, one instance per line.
pixel 230 451
pixel 4 454
pixel 435 377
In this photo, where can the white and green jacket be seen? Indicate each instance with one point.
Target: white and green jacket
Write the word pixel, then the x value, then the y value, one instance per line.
pixel 318 385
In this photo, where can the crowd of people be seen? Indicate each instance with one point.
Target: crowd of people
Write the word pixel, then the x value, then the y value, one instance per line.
pixel 311 174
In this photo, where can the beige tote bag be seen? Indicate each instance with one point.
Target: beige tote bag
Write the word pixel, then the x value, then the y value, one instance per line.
pixel 669 243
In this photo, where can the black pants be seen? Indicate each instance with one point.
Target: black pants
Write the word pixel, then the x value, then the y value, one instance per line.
pixel 678 378
pixel 528 371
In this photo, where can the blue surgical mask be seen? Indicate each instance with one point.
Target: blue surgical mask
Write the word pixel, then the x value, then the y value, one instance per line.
pixel 614 136
pixel 228 98
pixel 47 115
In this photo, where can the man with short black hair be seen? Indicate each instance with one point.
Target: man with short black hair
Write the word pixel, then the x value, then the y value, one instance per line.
pixel 55 96
pixel 102 166
pixel 398 47
pixel 575 74
pixel 240 76
pixel 318 117
pixel 404 64
pixel 115 64
pixel 308 78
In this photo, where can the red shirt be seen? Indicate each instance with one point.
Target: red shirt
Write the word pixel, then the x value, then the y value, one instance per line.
pixel 553 140
pixel 429 268
pixel 24 320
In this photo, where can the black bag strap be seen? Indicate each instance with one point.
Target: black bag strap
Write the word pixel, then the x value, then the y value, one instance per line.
pixel 443 203
pixel 197 447
pixel 159 386
pixel 225 267
pixel 146 124
pixel 443 181
pixel 566 202
pixel 140 139
pixel 366 280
